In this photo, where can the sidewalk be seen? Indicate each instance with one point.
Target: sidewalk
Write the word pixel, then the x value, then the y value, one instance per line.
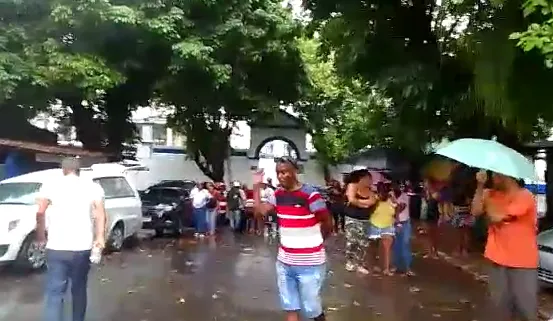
pixel 475 265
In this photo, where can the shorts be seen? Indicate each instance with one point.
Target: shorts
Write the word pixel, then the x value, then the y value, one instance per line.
pixel 514 292
pixel 300 288
pixel 377 232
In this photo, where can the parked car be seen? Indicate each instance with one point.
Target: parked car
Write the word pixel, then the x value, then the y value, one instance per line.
pixel 166 208
pixel 187 185
pixel 545 246
pixel 18 205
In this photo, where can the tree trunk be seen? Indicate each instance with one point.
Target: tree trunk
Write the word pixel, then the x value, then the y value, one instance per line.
pixel 208 147
pixel 89 129
pixel 119 129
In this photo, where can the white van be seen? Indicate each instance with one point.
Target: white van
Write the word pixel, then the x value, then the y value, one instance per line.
pixel 18 211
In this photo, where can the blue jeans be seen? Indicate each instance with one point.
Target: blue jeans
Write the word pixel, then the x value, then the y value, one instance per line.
pixel 65 266
pixel 200 219
pixel 402 256
pixel 235 217
pixel 212 219
pixel 300 288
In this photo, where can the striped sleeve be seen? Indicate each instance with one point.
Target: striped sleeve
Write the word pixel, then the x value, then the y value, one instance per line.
pixel 316 203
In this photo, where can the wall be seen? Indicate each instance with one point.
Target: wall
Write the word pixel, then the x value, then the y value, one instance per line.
pixel 172 163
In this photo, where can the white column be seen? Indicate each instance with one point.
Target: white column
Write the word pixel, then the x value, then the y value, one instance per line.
pixel 169 134
pixel 147 133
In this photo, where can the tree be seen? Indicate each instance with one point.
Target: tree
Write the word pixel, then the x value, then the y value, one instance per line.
pixel 231 61
pixel 101 59
pixel 438 76
pixel 336 111
pixel 539 34
pixel 133 45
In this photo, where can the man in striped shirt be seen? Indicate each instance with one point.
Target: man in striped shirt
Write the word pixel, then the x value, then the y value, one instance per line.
pixel 304 224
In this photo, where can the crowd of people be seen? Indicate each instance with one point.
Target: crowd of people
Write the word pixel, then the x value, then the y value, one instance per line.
pixel 214 206
pixel 370 212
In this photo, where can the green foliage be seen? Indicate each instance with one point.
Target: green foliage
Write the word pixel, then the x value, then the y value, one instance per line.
pixel 232 60
pixel 216 62
pixel 539 34
pixel 442 66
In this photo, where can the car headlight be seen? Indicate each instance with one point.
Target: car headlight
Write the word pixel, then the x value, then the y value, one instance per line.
pixel 12 225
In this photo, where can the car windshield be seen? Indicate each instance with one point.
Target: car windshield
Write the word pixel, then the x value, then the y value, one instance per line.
pixel 169 195
pixel 161 195
pixel 19 193
pixel 188 185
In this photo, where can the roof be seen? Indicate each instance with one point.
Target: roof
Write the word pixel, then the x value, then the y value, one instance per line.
pixel 50 149
pixel 49 174
pixel 277 118
pixel 540 144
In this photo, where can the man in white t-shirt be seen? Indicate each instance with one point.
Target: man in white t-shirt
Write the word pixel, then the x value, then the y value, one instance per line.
pixel 76 223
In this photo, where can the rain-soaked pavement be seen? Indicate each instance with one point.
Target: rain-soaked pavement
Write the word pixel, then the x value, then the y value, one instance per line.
pixel 232 278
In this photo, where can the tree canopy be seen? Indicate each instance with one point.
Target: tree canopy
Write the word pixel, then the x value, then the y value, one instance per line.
pixel 449 69
pixel 214 62
pixel 377 72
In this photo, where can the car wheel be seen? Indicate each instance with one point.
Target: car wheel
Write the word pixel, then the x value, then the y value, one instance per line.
pixel 31 255
pixel 116 238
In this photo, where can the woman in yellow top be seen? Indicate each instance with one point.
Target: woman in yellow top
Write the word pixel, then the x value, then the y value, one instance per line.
pixel 382 225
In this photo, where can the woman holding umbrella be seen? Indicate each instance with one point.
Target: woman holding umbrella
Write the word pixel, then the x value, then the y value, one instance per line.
pixel 511 246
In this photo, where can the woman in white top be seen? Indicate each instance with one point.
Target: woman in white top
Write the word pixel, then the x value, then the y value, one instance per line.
pixel 200 198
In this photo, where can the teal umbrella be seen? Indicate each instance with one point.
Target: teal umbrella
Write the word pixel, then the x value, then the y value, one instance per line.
pixel 489 155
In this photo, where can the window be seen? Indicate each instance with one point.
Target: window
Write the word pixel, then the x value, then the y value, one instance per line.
pixel 159 134
pixel 164 195
pixel 170 195
pixel 115 187
pixel 19 193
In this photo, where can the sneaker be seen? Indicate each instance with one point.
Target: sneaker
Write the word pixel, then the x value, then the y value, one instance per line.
pixel 202 235
pixel 350 267
pixel 196 234
pixel 363 270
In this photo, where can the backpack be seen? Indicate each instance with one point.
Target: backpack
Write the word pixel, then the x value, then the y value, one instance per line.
pixel 234 200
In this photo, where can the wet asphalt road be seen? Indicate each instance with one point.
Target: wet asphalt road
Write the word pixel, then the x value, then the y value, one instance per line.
pixel 232 278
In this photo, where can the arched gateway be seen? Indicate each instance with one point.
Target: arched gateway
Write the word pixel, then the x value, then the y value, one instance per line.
pixel 280 126
pixel 164 152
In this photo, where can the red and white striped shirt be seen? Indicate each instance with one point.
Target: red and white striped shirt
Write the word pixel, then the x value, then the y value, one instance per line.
pixel 299 213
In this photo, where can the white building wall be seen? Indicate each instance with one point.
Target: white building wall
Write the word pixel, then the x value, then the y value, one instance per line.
pixel 165 166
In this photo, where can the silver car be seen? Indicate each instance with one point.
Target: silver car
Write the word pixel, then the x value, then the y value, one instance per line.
pixel 545 246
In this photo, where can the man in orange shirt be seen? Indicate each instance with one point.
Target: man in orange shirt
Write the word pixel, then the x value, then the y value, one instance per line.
pixel 511 245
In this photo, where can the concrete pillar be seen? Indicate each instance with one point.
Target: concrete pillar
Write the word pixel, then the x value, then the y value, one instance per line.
pixel 147 133
pixel 169 134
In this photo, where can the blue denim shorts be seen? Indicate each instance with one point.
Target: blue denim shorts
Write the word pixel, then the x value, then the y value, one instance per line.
pixel 300 288
pixel 377 232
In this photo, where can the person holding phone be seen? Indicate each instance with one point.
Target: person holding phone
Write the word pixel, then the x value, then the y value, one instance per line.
pixel 304 224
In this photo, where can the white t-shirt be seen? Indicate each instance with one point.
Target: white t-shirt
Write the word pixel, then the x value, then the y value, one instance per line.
pixel 404 215
pixel 267 195
pixel 69 219
pixel 194 191
pixel 200 198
